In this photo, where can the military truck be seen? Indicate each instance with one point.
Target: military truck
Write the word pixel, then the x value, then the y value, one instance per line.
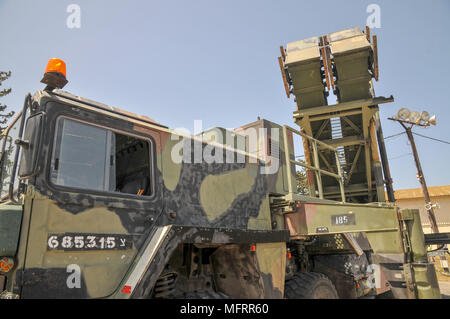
pixel 98 202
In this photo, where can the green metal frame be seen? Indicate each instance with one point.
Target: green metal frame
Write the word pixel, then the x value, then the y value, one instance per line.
pixel 316 168
pixel 366 109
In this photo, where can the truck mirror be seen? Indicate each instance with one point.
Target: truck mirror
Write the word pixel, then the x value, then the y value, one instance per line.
pixel 30 145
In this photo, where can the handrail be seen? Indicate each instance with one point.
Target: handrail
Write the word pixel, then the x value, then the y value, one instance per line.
pixel 316 168
pixel 26 105
pixel 5 135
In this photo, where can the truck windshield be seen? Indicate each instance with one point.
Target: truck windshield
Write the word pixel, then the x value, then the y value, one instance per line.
pixel 94 158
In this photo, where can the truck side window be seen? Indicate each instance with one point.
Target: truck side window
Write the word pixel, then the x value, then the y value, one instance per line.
pixel 93 158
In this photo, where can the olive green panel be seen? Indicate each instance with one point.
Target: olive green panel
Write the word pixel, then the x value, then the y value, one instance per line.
pixel 10 220
pixel 315 219
pixel 354 77
pixel 22 248
pixel 229 186
pixel 262 221
pixel 423 273
pixel 276 178
pixel 352 56
pixel 303 64
pixel 101 270
pixel 272 264
pixel 425 278
pixel 387 242
pixel 170 169
pixel 416 236
pixel 312 94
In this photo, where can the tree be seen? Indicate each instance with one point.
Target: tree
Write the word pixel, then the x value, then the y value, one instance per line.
pixel 302 184
pixel 5 158
pixel 4 117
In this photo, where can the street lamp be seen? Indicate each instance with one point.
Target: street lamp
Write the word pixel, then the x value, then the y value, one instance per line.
pixel 406 116
pixel 408 119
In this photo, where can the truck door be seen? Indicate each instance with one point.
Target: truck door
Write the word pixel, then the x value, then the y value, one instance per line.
pixel 92 206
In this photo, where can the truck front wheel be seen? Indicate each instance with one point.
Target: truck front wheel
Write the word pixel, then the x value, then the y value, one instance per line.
pixel 310 285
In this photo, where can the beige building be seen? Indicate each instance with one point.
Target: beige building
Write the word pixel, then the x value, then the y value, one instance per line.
pixel 413 198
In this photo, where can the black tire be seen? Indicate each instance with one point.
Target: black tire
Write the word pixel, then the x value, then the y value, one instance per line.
pixel 203 294
pixel 385 295
pixel 310 285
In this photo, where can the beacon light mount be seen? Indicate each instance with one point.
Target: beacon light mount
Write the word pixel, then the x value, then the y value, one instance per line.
pixel 55 74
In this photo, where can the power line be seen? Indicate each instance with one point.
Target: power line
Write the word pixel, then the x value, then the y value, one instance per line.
pixel 432 138
pixel 398 134
pixel 400 156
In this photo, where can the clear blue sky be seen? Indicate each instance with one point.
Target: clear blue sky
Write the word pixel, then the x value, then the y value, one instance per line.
pixel 180 61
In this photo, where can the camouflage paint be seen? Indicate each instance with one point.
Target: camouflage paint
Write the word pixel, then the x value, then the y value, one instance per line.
pixel 187 190
pixel 272 264
pixel 212 185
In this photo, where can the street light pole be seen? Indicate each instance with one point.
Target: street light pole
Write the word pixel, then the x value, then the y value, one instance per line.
pixel 404 116
pixel 421 178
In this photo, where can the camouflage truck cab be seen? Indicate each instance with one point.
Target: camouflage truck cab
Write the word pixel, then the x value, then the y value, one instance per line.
pixel 105 199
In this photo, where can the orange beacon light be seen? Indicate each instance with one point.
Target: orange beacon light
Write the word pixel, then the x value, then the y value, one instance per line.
pixel 55 74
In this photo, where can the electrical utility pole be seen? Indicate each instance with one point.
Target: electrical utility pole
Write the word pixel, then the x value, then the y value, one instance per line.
pixel 416 120
pixel 421 178
pixel 404 117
